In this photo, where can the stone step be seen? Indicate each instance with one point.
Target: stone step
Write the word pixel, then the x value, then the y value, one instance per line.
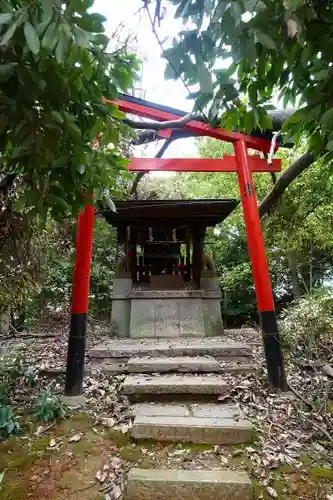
pixel 188 364
pixel 174 384
pixel 201 410
pixel 207 430
pixel 178 484
pixel 208 346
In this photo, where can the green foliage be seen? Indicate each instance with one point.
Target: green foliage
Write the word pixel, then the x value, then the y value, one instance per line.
pixel 307 327
pixel 9 424
pixel 55 68
pixel 298 245
pixel 276 48
pixel 52 295
pixel 102 269
pixel 21 257
pixel 49 407
pixel 14 371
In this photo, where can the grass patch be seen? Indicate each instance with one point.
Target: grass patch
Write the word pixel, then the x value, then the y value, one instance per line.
pixel 11 490
pixel 24 462
pixel 131 453
pixel 41 444
pixel 118 438
pixel 321 473
pixel 195 448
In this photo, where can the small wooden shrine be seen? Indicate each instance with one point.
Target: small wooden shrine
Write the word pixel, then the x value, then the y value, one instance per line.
pixel 165 284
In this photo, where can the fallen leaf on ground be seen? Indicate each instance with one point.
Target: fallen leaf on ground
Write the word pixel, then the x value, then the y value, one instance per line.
pixel 75 438
pixel 271 491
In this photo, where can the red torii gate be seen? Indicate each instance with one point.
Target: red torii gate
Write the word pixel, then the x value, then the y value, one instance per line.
pixel 242 164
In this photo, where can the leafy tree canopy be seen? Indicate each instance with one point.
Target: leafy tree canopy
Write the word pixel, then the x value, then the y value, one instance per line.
pixel 277 48
pixel 56 65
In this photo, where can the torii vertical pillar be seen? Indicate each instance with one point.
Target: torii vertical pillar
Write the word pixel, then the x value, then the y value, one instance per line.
pixel 80 298
pixel 263 287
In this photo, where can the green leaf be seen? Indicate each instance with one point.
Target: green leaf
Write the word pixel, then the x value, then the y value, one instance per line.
pixel 62 48
pixel 322 74
pixel 3 123
pixel 101 39
pixel 329 146
pixel 40 28
pixel 205 79
pixel 57 117
pixel 47 6
pixel 87 68
pixel 97 17
pixel 236 12
pixel 9 34
pixel 80 36
pixel 294 4
pixel 50 38
pixel 2 475
pixel 327 118
pixel 90 23
pixel 81 5
pixel 5 17
pixel 69 117
pixel 74 129
pixel 253 93
pixel 266 122
pixel 248 122
pixel 265 40
pixel 6 71
pixel 297 117
pixel 31 38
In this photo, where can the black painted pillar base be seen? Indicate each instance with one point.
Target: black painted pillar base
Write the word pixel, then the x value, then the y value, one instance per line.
pixel 75 355
pixel 273 350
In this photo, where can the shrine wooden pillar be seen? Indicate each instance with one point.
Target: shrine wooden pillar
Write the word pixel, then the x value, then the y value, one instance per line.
pixel 197 261
pixel 133 256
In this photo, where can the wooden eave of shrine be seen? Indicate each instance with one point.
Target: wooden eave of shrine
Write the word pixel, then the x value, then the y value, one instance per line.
pixel 142 214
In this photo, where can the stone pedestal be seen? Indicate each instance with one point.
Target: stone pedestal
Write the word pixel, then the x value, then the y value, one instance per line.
pixel 212 304
pixel 121 307
pixel 166 313
pixel 173 313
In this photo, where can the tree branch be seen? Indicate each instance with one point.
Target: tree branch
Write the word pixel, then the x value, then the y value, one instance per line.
pixel 284 181
pixel 139 176
pixel 7 183
pixel 162 125
pixel 146 137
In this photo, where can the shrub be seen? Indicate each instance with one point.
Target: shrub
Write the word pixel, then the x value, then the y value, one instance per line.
pixel 49 407
pixel 8 421
pixel 14 371
pixel 307 326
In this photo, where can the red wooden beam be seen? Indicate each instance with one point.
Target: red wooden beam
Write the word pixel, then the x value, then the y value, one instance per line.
pixel 202 129
pixel 226 164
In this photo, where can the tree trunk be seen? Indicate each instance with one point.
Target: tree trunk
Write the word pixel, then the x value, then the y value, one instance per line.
pixel 294 275
pixel 283 182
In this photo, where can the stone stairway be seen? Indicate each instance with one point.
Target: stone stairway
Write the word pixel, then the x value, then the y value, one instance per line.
pixel 175 385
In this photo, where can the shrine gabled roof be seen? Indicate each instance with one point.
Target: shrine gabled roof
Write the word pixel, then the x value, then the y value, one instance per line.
pixel 167 212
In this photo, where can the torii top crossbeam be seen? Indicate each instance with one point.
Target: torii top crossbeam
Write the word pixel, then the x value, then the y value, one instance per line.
pixel 259 141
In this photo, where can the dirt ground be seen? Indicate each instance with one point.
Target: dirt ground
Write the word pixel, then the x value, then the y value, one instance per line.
pixel 89 466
